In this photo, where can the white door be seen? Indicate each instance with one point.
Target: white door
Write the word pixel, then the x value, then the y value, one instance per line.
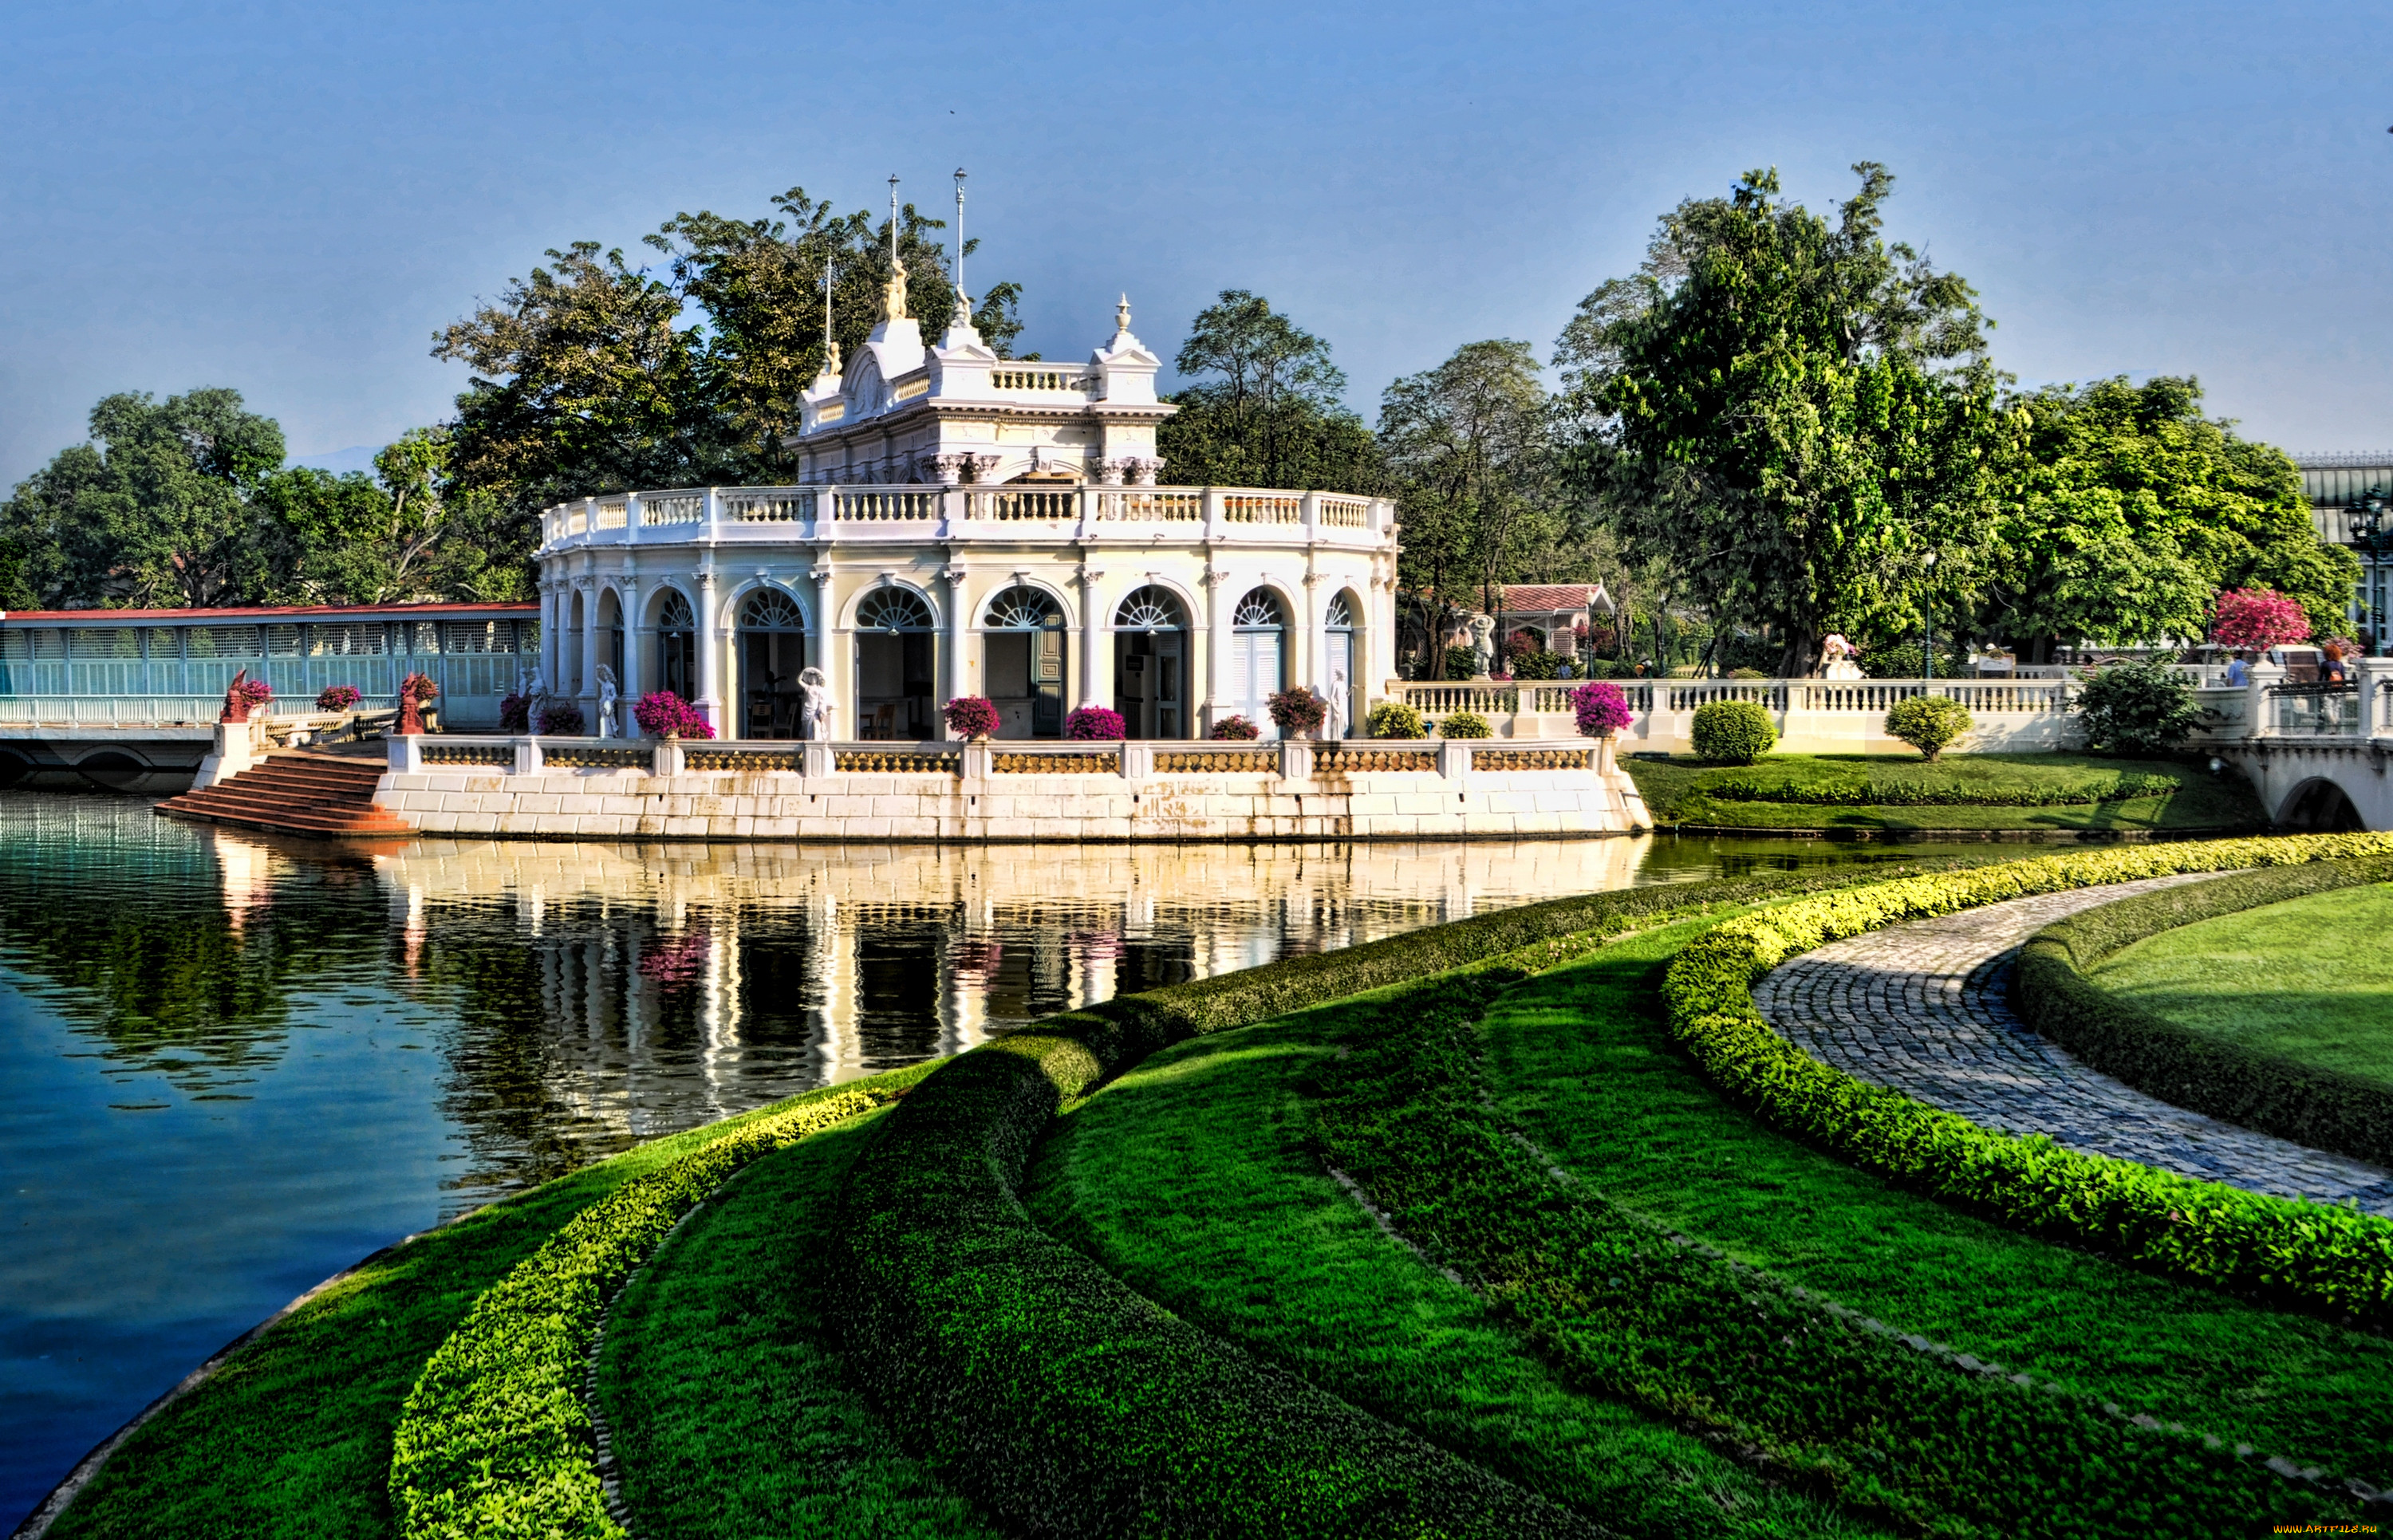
pixel 1254 676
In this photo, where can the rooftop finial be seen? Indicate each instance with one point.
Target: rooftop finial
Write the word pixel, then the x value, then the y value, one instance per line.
pixel 893 296
pixel 1121 315
pixel 831 338
pixel 964 301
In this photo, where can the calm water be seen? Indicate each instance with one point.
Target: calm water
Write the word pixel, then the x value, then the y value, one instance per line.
pixel 232 1066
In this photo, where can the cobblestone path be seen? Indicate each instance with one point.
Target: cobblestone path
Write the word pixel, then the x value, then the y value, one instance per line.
pixel 1924 1008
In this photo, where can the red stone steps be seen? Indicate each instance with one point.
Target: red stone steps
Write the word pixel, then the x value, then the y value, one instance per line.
pixel 295 793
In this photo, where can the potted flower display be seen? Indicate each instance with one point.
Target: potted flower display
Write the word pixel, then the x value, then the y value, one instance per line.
pixel 972 717
pixel 1234 729
pixel 1601 708
pixel 338 697
pixel 666 715
pixel 562 719
pixel 1094 725
pixel 1298 713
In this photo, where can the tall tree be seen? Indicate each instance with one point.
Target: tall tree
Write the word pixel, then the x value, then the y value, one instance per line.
pixel 2133 509
pixel 1468 445
pixel 155 510
pixel 402 534
pixel 1793 412
pixel 1266 408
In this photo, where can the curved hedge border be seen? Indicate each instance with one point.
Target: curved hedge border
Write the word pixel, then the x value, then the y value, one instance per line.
pixel 1062 1399
pixel 1904 793
pixel 2302 1253
pixel 2327 1109
pixel 494 1439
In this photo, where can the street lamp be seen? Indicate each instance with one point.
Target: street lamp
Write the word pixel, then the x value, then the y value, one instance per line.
pixel 2365 515
pixel 1927 622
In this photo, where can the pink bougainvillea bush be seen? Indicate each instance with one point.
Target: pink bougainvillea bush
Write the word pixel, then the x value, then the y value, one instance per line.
pixel 1601 708
pixel 338 697
pixel 1234 729
pixel 971 716
pixel 257 692
pixel 1298 712
pixel 1094 725
pixel 562 719
pixel 665 714
pixel 2257 617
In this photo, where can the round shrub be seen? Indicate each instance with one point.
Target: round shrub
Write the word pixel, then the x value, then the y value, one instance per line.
pixel 1732 732
pixel 971 716
pixel 1465 724
pixel 1397 718
pixel 1929 723
pixel 1094 725
pixel 2137 708
pixel 1234 729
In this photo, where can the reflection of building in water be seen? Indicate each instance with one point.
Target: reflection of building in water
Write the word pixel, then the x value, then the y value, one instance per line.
pixel 827 963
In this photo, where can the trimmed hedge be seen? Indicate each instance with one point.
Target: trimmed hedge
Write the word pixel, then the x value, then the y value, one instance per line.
pixel 2327 1109
pixel 1909 793
pixel 494 1439
pixel 1062 1401
pixel 1839 1406
pixel 2304 1254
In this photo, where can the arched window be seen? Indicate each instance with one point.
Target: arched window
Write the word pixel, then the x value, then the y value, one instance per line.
pixel 1339 616
pixel 1258 659
pixel 677 646
pixel 772 654
pixel 1022 609
pixel 1260 610
pixel 674 614
pixel 1150 610
pixel 1341 681
pixel 894 609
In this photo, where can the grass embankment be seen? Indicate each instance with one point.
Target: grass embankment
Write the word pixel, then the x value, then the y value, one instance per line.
pixel 2054 793
pixel 1835 1408
pixel 2308 979
pixel 292 1436
pixel 729 1401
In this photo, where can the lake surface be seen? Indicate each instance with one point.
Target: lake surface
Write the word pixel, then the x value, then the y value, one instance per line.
pixel 233 1065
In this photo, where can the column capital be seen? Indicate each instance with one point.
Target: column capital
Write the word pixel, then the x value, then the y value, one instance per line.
pixel 955 574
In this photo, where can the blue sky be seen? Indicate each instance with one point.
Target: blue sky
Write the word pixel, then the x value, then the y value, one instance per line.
pixel 290 200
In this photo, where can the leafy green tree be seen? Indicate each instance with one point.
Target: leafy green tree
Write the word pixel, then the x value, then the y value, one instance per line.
pixel 156 511
pixel 15 593
pixel 759 285
pixel 400 535
pixel 1792 411
pixel 1267 408
pixel 1468 446
pixel 2133 509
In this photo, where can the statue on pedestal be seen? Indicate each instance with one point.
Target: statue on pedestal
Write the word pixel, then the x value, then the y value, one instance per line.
pixel 1333 715
pixel 235 702
pixel 608 696
pixel 815 712
pixel 1836 656
pixel 1483 646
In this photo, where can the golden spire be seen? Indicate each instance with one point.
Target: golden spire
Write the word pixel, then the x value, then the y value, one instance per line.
pixel 893 293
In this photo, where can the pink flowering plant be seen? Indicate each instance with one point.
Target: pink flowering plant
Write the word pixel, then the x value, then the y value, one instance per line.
pixel 971 716
pixel 338 697
pixel 2257 617
pixel 562 719
pixel 257 692
pixel 1234 729
pixel 1298 712
pixel 515 714
pixel 1094 725
pixel 1601 708
pixel 665 714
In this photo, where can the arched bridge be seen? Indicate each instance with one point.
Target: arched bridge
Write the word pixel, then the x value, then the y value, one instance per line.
pixel 2317 754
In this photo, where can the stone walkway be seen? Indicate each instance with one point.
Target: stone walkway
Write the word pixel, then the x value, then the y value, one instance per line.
pixel 1924 1008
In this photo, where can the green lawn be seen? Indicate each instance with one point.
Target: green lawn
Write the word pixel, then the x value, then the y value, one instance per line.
pixel 292 1436
pixel 2306 978
pixel 1675 791
pixel 1582 1062
pixel 1189 1179
pixel 728 1398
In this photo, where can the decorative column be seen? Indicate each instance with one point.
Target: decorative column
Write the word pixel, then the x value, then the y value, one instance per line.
pixel 1311 669
pixel 1096 666
pixel 2375 711
pixel 709 659
pixel 628 689
pixel 957 671
pixel 590 659
pixel 552 641
pixel 822 654
pixel 2255 711
pixel 1216 652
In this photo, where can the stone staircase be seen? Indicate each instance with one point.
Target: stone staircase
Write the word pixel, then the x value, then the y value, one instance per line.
pixel 323 795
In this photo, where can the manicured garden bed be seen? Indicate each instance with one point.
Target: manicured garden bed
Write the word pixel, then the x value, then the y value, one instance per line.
pixel 2053 793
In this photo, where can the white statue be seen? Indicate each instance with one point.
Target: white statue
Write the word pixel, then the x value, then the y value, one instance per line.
pixel 1333 715
pixel 816 712
pixel 1483 646
pixel 1836 656
pixel 607 697
pixel 534 691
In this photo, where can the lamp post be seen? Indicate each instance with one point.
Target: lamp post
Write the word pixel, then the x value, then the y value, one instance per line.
pixel 2367 524
pixel 1928 623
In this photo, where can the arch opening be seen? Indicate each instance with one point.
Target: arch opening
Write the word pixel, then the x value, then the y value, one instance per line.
pixel 1023 661
pixel 1151 663
pixel 896 664
pixel 772 654
pixel 2321 806
pixel 1258 658
pixel 1341 656
pixel 677 644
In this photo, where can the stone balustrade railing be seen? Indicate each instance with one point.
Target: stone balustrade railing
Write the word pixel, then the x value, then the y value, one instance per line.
pixel 735 514
pixel 1141 760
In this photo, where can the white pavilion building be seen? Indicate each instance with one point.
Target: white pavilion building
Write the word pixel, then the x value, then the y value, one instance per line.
pixel 970 524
